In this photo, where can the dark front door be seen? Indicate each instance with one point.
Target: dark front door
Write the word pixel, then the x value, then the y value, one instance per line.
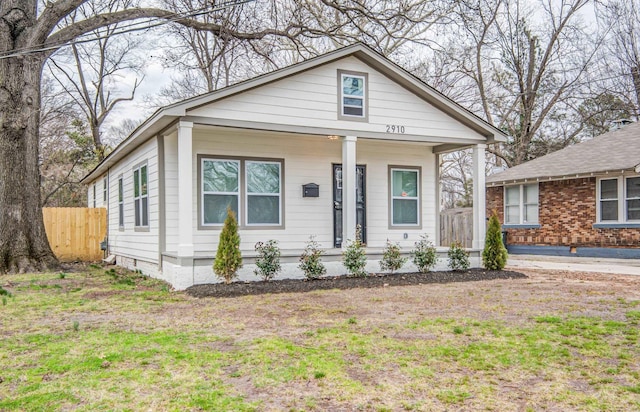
pixel 361 215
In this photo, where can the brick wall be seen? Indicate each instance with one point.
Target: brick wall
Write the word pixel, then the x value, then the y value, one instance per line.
pixel 567 212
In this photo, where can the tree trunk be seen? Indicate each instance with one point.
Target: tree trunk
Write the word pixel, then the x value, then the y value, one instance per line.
pixel 23 241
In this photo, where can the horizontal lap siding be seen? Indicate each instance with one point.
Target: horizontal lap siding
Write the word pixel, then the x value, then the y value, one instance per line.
pixel 310 99
pixel 128 242
pixel 378 156
pixel 306 159
pixel 309 159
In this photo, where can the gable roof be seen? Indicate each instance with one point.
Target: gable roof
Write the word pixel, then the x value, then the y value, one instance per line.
pixel 166 116
pixel 612 151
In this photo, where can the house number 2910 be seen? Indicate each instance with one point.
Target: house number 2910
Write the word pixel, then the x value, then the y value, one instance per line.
pixel 393 128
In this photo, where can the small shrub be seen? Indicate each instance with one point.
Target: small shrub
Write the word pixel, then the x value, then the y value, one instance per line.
pixel 458 330
pixel 352 321
pixel 392 259
pixel 76 325
pixel 4 292
pixel 62 275
pixel 458 257
pixel 310 260
pixel 424 255
pixel 494 255
pixel 268 260
pixel 319 375
pixel 354 257
pixel 228 257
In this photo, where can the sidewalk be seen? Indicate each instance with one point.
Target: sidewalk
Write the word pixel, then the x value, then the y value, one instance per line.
pixel 576 264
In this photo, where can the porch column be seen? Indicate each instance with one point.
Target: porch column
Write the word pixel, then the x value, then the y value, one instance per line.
pixel 185 189
pixel 479 197
pixel 348 189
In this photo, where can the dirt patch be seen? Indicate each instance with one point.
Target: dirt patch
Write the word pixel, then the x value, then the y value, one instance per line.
pixel 347 282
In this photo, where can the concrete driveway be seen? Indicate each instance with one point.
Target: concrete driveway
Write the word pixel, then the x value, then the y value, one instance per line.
pixel 580 264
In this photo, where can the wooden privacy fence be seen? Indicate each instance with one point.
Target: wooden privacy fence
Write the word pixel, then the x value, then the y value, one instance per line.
pixel 456 224
pixel 75 233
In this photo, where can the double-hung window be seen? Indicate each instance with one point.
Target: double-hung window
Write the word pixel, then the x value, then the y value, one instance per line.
pixel 263 193
pixel 141 196
pixel 251 188
pixel 405 197
pixel 220 189
pixel 353 95
pixel 120 202
pixel 521 204
pixel 619 200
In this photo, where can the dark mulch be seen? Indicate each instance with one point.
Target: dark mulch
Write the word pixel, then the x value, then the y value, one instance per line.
pixel 346 282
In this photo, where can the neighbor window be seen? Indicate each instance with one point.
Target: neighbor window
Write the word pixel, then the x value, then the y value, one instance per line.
pixel 521 204
pixel 353 90
pixel 405 197
pixel 141 196
pixel 120 202
pixel 619 200
pixel 251 188
pixel 104 190
pixel 94 195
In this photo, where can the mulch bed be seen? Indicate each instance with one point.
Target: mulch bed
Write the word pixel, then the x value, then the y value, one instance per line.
pixel 346 282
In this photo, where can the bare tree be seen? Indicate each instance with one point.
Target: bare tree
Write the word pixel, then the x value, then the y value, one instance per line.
pixel 90 73
pixel 526 63
pixel 29 34
pixel 208 62
pixel 618 78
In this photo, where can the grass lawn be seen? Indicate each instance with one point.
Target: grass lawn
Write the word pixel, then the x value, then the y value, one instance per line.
pixel 113 340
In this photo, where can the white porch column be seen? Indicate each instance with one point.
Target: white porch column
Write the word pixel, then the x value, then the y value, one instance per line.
pixel 479 197
pixel 348 189
pixel 185 189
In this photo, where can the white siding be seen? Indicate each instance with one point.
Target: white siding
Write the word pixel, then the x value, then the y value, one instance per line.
pixel 310 99
pixel 306 159
pixel 128 242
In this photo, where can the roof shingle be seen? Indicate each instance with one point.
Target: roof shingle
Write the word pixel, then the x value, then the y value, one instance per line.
pixel 612 151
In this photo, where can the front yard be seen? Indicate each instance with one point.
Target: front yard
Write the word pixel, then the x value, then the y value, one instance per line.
pixel 110 340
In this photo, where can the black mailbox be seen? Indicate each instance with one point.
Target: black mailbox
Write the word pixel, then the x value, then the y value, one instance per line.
pixel 310 190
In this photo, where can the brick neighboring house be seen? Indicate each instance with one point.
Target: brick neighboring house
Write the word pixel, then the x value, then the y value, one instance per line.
pixel 583 200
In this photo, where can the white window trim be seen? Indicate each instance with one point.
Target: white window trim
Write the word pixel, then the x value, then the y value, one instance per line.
pixel 104 190
pixel 204 192
pixel 416 198
pixel 246 194
pixel 140 196
pixel 521 205
pixel 621 199
pixel 94 195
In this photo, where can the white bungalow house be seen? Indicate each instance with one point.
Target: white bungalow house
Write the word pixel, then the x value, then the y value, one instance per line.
pixel 316 148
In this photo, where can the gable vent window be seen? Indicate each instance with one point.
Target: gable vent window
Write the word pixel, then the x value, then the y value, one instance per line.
pixel 352 96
